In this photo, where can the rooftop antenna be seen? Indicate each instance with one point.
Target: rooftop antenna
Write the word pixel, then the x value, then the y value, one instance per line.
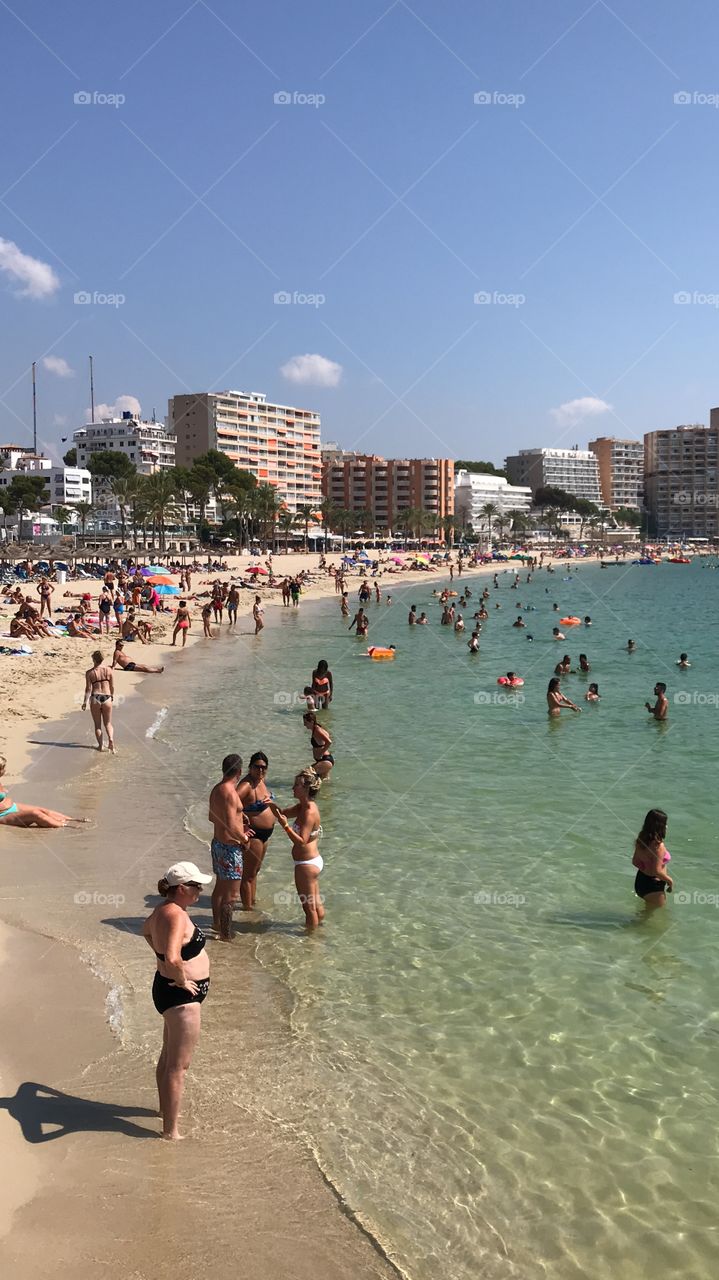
pixel 34 411
pixel 92 393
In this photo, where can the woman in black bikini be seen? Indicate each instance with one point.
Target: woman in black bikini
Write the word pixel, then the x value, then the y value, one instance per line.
pixel 255 797
pixel 320 741
pixel 104 609
pixel 181 983
pixel 100 690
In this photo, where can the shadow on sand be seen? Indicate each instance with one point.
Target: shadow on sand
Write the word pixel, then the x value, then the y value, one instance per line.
pixel 36 1106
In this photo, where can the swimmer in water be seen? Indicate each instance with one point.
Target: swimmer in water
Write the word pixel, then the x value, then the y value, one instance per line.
pixel 583 663
pixel 557 634
pixel 422 620
pixel 564 668
pixel 587 621
pixel 412 619
pixel 592 694
pixel 344 605
pixel 473 642
pixel 683 662
pixel 556 699
pixel 361 622
pixel 518 622
pixel 630 646
pixel 661 706
pixel 459 624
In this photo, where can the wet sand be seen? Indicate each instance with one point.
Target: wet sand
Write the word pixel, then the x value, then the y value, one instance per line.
pixel 94 1186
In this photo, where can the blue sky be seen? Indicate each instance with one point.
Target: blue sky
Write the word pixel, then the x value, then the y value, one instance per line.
pixel 579 211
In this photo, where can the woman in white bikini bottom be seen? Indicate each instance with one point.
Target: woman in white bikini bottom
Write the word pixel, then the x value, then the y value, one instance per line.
pixel 304 834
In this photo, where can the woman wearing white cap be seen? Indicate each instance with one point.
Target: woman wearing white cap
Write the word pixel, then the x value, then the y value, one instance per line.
pixel 181 982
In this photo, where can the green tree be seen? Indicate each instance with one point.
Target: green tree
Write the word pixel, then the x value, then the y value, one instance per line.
pixel 160 492
pixel 305 517
pixel 63 516
pixel 285 525
pixel 70 458
pixel 110 464
pixel 489 511
pixel 84 511
pixel 30 493
pixel 8 506
pixel 265 507
pixel 483 468
pixel 628 515
pixel 122 489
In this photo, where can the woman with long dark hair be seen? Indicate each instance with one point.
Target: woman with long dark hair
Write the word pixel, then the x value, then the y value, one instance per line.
pixel 652 881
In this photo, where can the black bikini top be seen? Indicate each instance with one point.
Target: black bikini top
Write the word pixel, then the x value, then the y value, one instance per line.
pixel 192 948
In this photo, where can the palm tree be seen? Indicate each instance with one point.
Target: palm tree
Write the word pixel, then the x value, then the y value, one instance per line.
pixel 489 511
pixel 84 511
pixel 285 524
pixel 121 490
pixel 63 516
pixel 265 507
pixel 448 524
pixel 502 524
pixel 305 516
pixel 160 492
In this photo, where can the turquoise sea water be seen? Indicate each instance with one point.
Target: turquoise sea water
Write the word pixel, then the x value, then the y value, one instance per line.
pixel 502 1066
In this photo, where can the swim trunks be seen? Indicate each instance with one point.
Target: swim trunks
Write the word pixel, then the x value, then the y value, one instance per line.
pixel 226 860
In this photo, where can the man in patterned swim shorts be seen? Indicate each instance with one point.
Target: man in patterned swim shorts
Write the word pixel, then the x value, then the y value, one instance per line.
pixel 229 839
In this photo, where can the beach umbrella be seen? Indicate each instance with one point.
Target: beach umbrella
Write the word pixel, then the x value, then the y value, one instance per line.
pixel 255 568
pixel 396 560
pixel 161 580
pixel 163 590
pixel 422 557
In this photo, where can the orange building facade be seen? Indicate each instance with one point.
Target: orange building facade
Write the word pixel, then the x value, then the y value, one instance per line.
pixel 387 486
pixel 278 444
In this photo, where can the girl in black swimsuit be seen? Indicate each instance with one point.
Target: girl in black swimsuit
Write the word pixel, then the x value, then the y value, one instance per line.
pixel 181 982
pixel 320 741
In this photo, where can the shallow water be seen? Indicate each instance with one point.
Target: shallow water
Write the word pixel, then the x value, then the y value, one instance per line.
pixel 501 1065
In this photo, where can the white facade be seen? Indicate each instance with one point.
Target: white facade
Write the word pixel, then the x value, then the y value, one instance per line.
pixel 148 445
pixel 474 490
pixel 65 485
pixel 574 470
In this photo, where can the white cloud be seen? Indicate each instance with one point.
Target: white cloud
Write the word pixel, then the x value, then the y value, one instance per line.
pixel 59 420
pixel 36 279
pixel 123 404
pixel 56 364
pixel 574 410
pixel 312 371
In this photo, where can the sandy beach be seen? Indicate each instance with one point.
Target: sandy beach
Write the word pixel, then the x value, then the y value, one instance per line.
pixel 78 1198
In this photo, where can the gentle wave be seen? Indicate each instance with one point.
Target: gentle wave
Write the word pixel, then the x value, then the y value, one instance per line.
pixel 157 722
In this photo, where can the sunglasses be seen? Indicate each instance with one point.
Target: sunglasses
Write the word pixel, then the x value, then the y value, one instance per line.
pixel 262 767
pixel 191 884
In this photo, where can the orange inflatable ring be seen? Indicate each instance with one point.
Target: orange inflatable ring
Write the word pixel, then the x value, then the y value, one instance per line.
pixel 570 622
pixel 516 683
pixel 380 655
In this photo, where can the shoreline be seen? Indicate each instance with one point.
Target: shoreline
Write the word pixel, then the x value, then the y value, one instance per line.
pixel 72 773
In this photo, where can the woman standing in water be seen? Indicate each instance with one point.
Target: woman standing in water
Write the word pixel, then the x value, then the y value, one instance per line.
pixel 320 741
pixel 100 690
pixel 652 882
pixel 304 834
pixel 255 798
pixel 181 983
pixel 556 699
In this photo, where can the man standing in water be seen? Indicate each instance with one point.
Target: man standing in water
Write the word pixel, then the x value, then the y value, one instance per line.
pixel 228 840
pixel 661 706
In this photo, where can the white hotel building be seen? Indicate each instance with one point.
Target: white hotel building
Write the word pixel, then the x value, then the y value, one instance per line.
pixel 65 485
pixel 473 490
pixel 149 445
pixel 574 470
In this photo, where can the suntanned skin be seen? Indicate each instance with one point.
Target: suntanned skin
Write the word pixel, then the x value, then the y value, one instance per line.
pixel 661 706
pixel 121 660
pixel 228 825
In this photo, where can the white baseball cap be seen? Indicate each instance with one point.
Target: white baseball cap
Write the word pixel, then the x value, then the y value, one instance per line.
pixel 184 872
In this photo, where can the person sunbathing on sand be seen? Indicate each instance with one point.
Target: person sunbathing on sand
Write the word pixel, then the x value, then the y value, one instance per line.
pixel 14 814
pixel 121 660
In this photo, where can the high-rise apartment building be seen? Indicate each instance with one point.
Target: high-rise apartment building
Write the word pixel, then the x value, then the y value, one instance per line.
pixel 278 444
pixel 621 471
pixel 149 445
pixel 386 486
pixel 682 480
pixel 574 470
